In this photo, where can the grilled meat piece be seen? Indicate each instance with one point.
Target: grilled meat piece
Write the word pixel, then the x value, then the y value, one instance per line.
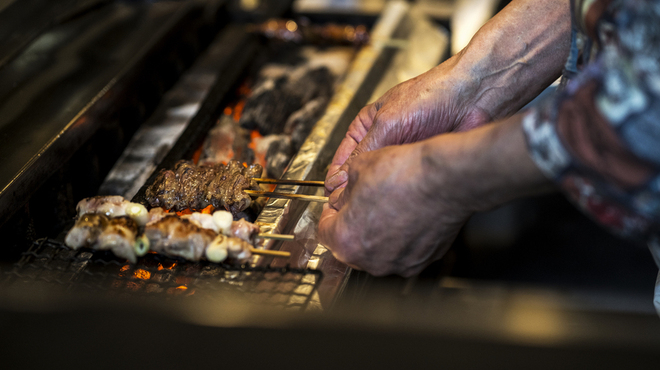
pixel 202 220
pixel 226 192
pixel 244 230
pixel 193 181
pixel 155 214
pixel 164 191
pixel 113 206
pixel 120 237
pixel 177 237
pixel 110 205
pixel 86 231
pixel 195 187
pixel 118 234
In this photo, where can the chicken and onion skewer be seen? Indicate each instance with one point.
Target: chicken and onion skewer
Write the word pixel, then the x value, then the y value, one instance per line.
pixel 112 223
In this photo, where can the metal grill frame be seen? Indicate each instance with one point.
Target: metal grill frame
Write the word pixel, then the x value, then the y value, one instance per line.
pixel 50 261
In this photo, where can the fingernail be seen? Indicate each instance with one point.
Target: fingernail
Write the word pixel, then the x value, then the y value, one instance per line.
pixel 337 179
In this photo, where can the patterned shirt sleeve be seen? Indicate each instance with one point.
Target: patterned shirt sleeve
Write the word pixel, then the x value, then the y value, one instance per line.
pixel 599 137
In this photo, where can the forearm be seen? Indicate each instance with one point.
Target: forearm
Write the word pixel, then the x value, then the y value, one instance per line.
pixel 484 167
pixel 515 55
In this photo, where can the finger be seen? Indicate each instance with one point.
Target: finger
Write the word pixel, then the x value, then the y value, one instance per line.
pixel 376 138
pixel 357 130
pixel 329 233
pixel 338 198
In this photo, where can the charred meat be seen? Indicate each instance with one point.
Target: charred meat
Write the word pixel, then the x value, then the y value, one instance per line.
pixel 86 231
pixel 118 234
pixel 195 187
pixel 121 237
pixel 178 237
pixel 112 206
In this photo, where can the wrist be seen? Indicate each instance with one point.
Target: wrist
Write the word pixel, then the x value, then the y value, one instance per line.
pixel 514 56
pixel 483 168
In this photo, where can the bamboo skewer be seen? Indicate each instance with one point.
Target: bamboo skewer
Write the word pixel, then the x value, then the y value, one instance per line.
pixel 267 252
pixel 276 236
pixel 308 198
pixel 289 182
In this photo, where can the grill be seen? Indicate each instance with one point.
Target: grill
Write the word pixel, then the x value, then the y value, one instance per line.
pixel 79 271
pixel 203 85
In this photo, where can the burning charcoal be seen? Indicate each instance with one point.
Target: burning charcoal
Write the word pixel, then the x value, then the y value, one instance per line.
pixel 278 155
pixel 312 84
pixel 300 123
pixel 269 106
pixel 226 141
pixel 274 100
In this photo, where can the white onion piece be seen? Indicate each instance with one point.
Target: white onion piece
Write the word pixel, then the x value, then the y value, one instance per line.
pixel 223 220
pixel 217 250
pixel 141 245
pixel 138 213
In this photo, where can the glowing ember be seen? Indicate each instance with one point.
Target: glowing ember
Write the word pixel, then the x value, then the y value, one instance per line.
pixel 161 267
pixel 197 154
pixel 238 110
pixel 182 287
pixel 125 268
pixel 142 274
pixel 186 211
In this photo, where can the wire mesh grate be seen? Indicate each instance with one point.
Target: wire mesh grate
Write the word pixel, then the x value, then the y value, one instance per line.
pixel 50 261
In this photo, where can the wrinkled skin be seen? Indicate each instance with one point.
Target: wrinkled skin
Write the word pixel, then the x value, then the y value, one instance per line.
pixel 396 201
pixel 393 235
pixel 430 104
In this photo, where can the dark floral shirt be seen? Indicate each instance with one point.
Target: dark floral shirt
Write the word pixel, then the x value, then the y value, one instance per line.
pixel 599 136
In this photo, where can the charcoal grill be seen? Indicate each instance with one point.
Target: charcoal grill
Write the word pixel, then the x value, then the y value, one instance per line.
pixel 312 278
pixel 84 271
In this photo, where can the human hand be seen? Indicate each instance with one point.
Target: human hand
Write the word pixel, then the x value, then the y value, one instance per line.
pixel 391 218
pixel 403 205
pixel 435 102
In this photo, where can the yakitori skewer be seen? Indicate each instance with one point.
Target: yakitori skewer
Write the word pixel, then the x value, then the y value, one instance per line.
pixel 307 198
pixel 289 182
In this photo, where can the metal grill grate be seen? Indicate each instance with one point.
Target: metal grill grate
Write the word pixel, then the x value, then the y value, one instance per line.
pixel 52 262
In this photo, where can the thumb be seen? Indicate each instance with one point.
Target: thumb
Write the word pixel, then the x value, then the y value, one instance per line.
pixel 357 131
pixel 338 198
pixel 376 138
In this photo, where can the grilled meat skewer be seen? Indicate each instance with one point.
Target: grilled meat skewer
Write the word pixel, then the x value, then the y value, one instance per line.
pixel 178 237
pixel 195 187
pixel 113 206
pixel 119 235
